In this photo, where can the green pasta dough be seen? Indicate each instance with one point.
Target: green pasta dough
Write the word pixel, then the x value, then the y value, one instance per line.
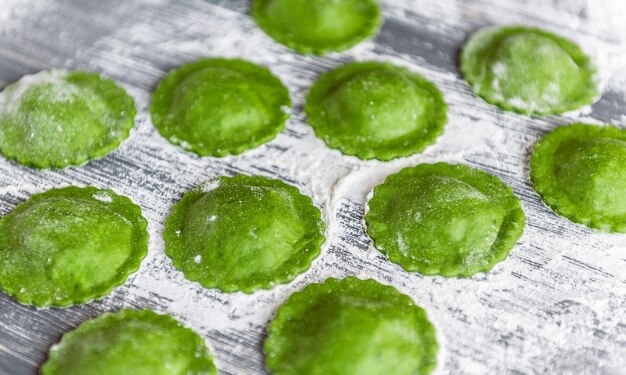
pixel 219 107
pixel 245 233
pixel 442 219
pixel 350 326
pixel 376 110
pixel 130 342
pixel 69 246
pixel 56 118
pixel 528 70
pixel 580 172
pixel 319 26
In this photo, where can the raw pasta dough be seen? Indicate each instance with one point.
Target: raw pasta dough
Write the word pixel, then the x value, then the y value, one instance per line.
pixel 376 110
pixel 580 172
pixel 219 107
pixel 528 70
pixel 130 342
pixel 246 233
pixel 320 26
pixel 350 326
pixel 443 219
pixel 69 246
pixel 58 118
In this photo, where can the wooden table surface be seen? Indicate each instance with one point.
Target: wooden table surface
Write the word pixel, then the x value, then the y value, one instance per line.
pixel 557 305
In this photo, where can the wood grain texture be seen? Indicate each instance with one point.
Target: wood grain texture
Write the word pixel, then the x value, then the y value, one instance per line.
pixel 556 305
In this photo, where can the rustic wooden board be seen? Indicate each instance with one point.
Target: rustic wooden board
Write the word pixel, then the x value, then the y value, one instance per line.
pixel 556 305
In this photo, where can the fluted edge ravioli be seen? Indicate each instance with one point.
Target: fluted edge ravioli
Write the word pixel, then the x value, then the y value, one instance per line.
pixel 302 25
pixel 528 70
pixel 443 219
pixel 243 233
pixel 57 118
pixel 350 326
pixel 48 243
pixel 130 342
pixel 580 172
pixel 376 110
pixel 219 107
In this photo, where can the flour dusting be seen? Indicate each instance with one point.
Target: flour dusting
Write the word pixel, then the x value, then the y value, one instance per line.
pixel 555 305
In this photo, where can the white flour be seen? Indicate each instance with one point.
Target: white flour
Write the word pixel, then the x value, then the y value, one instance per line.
pixel 11 99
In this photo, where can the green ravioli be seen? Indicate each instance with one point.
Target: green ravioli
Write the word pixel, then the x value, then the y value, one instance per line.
pixel 219 107
pixel 350 326
pixel 580 172
pixel 318 26
pixel 130 342
pixel 376 110
pixel 528 70
pixel 245 233
pixel 442 219
pixel 70 246
pixel 56 118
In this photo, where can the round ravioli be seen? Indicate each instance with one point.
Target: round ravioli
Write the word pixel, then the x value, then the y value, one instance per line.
pixel 580 172
pixel 442 219
pixel 69 246
pixel 244 233
pixel 56 118
pixel 528 70
pixel 130 342
pixel 376 110
pixel 320 26
pixel 219 107
pixel 350 326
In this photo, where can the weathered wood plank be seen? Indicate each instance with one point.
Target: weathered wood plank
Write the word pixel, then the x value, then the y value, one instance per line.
pixel 556 305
